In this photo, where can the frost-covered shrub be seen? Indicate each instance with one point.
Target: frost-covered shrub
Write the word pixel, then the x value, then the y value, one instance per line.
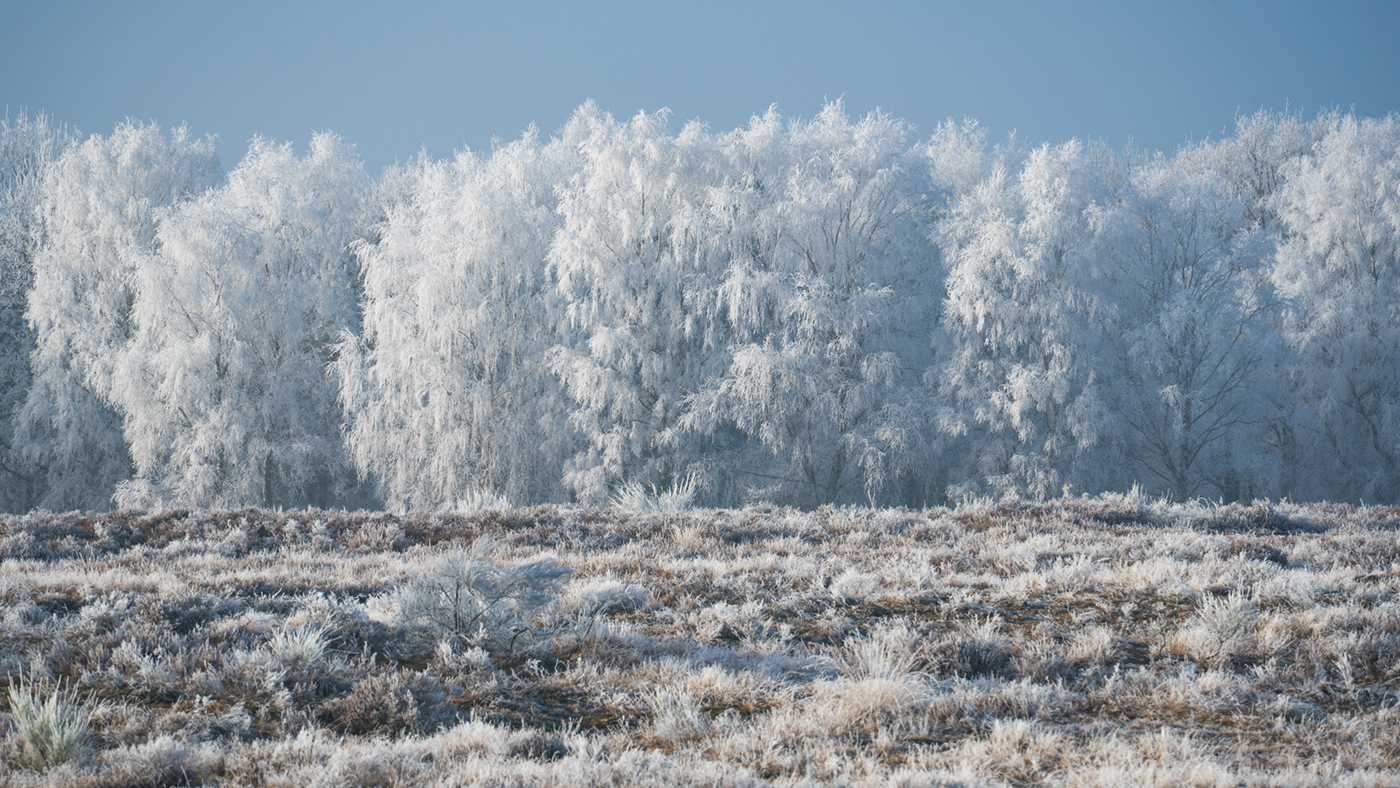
pixel 877 679
pixel 1017 751
pixel 854 586
pixel 725 621
pixel 536 746
pixel 887 653
pixel 1041 660
pixel 380 704
pixel 1220 628
pixel 132 668
pixel 1092 646
pixel 978 649
pixel 607 595
pixel 163 760
pixel 467 596
pixel 477 501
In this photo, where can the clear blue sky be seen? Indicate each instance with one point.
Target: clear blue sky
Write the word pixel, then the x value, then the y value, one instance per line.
pixel 397 77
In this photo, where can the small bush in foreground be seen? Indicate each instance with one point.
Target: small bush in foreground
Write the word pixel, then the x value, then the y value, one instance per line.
pixel 478 501
pixel 380 704
pixel 468 596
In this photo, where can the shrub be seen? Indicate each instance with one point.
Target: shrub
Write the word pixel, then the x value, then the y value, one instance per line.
pixel 1220 628
pixel 887 653
pixel 536 746
pixel 978 649
pixel 469 597
pixel 478 501
pixel 379 704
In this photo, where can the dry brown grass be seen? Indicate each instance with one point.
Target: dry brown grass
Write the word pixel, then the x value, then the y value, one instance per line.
pixel 1079 642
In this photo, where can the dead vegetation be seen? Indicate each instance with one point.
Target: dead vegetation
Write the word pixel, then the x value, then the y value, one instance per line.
pixel 1079 642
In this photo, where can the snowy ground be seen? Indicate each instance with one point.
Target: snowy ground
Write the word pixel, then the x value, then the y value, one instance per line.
pixel 1087 642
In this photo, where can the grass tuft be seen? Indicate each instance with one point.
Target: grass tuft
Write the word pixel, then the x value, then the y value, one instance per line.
pixel 51 730
pixel 299 646
pixel 634 498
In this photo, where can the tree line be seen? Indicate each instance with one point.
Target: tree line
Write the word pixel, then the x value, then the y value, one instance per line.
pixel 802 312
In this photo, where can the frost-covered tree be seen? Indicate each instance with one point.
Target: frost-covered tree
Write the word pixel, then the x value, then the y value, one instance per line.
pixel 634 268
pixel 224 386
pixel 1339 269
pixel 742 231
pixel 1020 313
pixel 445 391
pixel 97 217
pixel 1253 161
pixel 1189 357
pixel 826 293
pixel 28 147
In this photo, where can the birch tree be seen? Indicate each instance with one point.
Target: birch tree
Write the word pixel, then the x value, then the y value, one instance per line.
pixel 445 394
pixel 632 266
pixel 97 216
pixel 826 295
pixel 1339 269
pixel 28 148
pixel 1188 371
pixel 224 389
pixel 1020 314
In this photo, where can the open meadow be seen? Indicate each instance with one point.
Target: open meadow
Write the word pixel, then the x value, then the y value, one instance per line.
pixel 1105 641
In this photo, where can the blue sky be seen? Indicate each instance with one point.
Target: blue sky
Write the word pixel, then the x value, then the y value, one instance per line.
pixel 394 78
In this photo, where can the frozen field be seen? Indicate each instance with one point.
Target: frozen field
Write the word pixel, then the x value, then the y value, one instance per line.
pixel 1082 642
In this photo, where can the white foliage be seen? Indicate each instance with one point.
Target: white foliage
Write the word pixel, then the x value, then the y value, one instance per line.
pixel 50 730
pixel 633 264
pixel 296 647
pixel 1188 348
pixel 632 496
pixel 469 597
pixel 803 312
pixel 1339 269
pixel 677 715
pixel 1020 310
pixel 445 392
pixel 829 289
pixel 101 201
pixel 477 501
pixel 28 148
pixel 226 398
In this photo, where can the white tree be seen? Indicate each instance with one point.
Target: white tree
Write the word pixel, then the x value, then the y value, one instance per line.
pixel 827 295
pixel 1021 307
pixel 632 263
pixel 98 218
pixel 28 147
pixel 1339 269
pixel 445 394
pixel 1252 162
pixel 1190 354
pixel 224 386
